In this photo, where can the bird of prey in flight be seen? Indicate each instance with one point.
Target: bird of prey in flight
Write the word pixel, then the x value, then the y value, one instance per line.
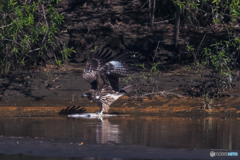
pixel 103 72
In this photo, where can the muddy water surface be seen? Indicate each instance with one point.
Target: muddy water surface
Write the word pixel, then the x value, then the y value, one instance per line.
pixel 189 133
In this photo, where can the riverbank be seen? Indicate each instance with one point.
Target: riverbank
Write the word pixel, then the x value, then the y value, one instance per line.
pixel 50 90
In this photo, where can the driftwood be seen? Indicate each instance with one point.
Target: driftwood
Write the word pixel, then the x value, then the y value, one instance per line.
pixel 163 93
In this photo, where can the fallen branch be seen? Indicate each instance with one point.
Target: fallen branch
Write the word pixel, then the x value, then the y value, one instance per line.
pixel 57 38
pixel 165 21
pixel 155 53
pixel 143 5
pixel 199 46
pixel 8 25
pixel 34 50
pixel 12 41
pixel 192 15
pixel 163 93
pixel 225 26
pixel 89 29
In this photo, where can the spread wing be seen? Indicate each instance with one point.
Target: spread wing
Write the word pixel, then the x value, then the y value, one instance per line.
pixel 93 69
pixel 119 66
pixel 109 69
pixel 99 60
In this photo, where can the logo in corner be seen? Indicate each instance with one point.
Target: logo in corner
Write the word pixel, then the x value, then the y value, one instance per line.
pixel 212 154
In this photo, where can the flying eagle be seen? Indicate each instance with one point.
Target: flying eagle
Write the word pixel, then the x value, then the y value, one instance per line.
pixel 103 72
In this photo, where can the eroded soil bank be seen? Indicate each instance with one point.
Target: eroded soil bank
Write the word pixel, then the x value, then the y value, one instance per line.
pixel 50 91
pixel 120 26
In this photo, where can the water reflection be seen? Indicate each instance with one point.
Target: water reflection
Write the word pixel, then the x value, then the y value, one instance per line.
pixel 107 132
pixel 154 131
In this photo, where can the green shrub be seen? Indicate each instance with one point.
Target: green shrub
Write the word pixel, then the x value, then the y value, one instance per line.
pixel 27 31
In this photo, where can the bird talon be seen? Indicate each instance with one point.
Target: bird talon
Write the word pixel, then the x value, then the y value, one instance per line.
pixel 100 113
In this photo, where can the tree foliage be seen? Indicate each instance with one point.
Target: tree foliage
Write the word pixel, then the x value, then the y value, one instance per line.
pixel 220 56
pixel 27 30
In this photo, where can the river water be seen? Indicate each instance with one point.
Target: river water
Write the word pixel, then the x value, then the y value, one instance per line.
pixel 168 132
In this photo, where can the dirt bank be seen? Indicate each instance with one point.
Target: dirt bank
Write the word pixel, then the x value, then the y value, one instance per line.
pixel 120 27
pixel 48 91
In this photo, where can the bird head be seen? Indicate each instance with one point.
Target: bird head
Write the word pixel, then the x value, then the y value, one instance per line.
pixel 87 95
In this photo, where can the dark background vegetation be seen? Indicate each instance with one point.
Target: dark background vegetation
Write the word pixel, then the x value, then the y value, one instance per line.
pixel 162 33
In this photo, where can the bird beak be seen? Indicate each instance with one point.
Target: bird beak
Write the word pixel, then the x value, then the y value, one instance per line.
pixel 85 95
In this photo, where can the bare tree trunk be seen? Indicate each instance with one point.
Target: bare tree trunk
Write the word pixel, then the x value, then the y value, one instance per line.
pixel 150 12
pixel 177 24
pixel 153 11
